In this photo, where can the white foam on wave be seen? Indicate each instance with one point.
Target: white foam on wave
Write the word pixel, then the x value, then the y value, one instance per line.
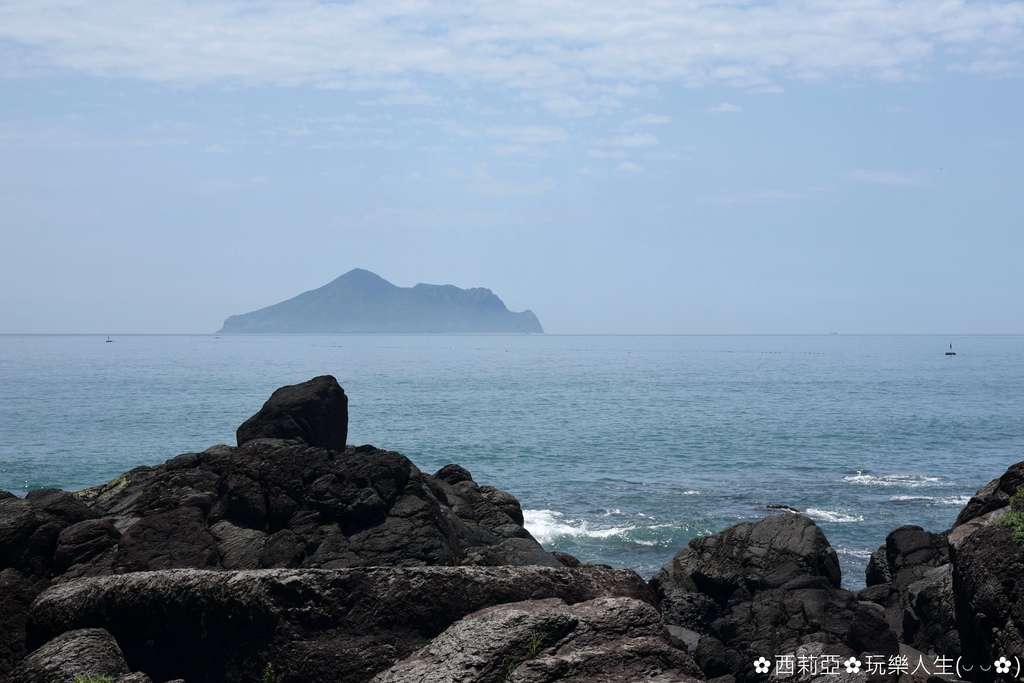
pixel 905 480
pixel 832 516
pixel 932 500
pixel 547 525
pixel 860 553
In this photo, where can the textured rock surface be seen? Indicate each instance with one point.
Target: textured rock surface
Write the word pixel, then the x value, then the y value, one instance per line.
pixel 91 652
pixel 761 589
pixel 911 578
pixel 312 625
pixel 988 585
pixel 994 495
pixel 543 641
pixel 316 412
pixel 272 504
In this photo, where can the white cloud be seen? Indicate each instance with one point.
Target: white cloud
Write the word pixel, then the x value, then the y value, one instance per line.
pixel 884 178
pixel 630 167
pixel 725 108
pixel 573 47
pixel 634 140
pixel 527 135
pixel 649 120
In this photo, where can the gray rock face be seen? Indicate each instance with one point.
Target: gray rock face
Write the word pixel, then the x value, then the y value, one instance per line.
pixel 543 641
pixel 312 625
pixel 315 412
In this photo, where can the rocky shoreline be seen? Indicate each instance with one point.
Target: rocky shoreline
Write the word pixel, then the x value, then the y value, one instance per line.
pixel 293 557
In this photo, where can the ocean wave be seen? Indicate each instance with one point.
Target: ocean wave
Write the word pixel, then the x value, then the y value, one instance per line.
pixel 930 501
pixel 859 553
pixel 547 525
pixel 904 480
pixel 832 516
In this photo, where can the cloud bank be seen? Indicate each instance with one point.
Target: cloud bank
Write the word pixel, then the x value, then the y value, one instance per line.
pixel 574 56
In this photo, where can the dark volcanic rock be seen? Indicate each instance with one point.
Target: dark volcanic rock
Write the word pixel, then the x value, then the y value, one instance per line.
pixel 16 594
pixel 271 504
pixel 276 501
pixel 543 641
pixel 911 578
pixel 988 585
pixel 90 652
pixel 993 496
pixel 315 412
pixel 312 625
pixel 764 589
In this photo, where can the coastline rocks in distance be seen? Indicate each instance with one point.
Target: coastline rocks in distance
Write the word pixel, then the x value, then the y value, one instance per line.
pixel 362 302
pixel 316 626
pixel 315 412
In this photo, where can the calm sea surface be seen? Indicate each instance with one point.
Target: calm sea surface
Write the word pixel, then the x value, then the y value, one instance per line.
pixel 621 449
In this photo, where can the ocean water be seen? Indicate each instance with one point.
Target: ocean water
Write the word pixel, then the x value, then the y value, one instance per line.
pixel 620 448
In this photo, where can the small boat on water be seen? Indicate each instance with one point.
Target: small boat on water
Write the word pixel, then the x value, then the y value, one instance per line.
pixel 109 339
pixel 951 352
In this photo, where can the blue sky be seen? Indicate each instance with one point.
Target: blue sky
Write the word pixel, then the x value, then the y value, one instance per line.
pixel 653 166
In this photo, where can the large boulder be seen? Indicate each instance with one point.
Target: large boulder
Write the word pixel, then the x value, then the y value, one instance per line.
pixel 988 586
pixel 911 578
pixel 16 594
pixel 88 653
pixel 311 625
pixel 315 412
pixel 543 641
pixel 762 589
pixel 993 496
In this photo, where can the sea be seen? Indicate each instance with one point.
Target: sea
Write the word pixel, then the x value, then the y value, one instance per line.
pixel 621 449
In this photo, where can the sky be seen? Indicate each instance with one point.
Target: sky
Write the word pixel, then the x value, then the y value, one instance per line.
pixel 652 166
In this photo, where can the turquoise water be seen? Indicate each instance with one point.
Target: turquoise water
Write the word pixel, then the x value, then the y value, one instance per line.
pixel 621 449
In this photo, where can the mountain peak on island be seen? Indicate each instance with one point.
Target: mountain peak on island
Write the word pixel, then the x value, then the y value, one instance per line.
pixel 363 302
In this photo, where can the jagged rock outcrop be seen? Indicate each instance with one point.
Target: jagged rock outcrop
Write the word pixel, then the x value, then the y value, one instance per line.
pixel 311 625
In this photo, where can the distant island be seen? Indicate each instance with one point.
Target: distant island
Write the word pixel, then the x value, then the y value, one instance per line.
pixel 362 302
